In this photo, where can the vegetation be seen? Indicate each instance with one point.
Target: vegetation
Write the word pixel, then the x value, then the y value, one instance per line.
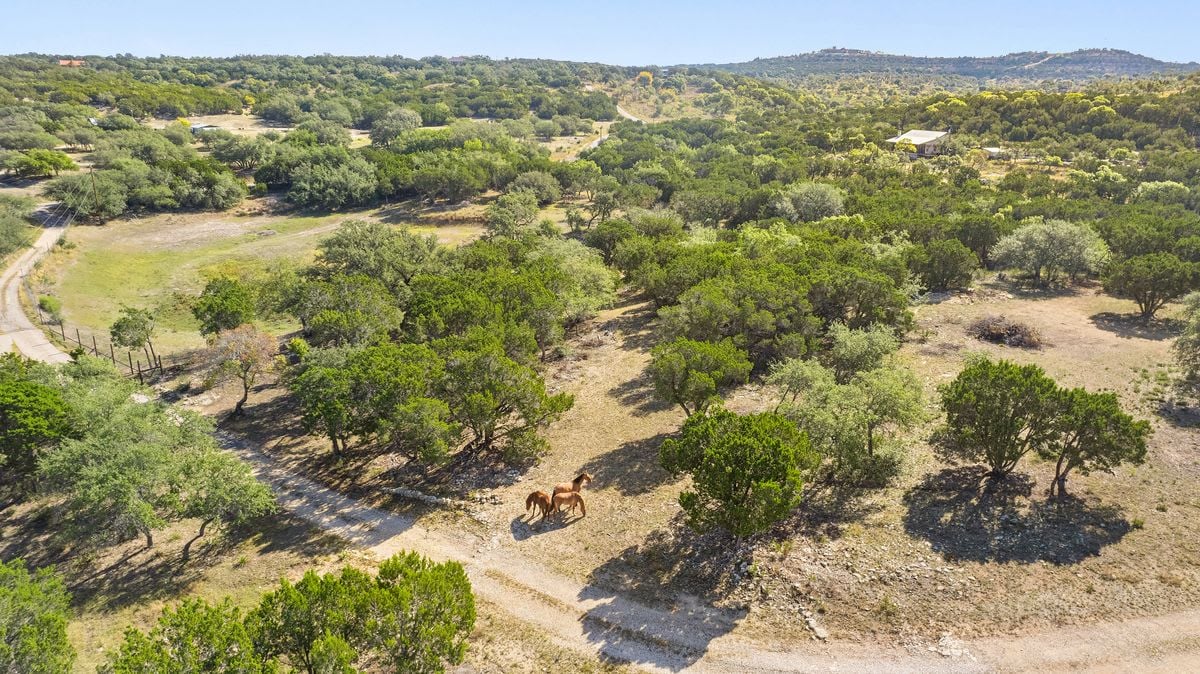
pixel 997 412
pixel 747 472
pixel 413 616
pixel 689 373
pixel 34 610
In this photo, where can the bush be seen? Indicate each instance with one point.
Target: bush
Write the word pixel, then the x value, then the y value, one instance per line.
pixel 1000 330
pixel 747 471
pixel 53 307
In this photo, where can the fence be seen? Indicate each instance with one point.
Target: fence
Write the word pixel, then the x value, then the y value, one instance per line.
pixel 128 365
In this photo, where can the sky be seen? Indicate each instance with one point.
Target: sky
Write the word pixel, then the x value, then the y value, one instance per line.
pixel 619 32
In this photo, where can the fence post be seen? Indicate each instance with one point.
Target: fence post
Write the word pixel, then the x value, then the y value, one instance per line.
pixel 139 373
pixel 130 354
pixel 112 353
pixel 95 348
pixel 78 339
pixel 63 329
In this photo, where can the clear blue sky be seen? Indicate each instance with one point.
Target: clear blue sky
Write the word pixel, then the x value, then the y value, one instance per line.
pixel 618 32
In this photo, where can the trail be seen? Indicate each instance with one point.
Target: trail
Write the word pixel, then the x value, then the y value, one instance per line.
pixel 17 332
pixel 687 637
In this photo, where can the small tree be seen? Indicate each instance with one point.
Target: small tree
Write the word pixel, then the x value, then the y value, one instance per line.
pixel 34 611
pixel 1150 280
pixel 543 185
pixel 946 265
pixel 244 353
pixel 220 488
pixel 1187 346
pixel 322 388
pixel 224 304
pixel 996 412
pixel 394 124
pixel 857 350
pixel 513 214
pixel 747 471
pixel 193 637
pixel 809 202
pixel 689 373
pixel 134 329
pixel 1093 434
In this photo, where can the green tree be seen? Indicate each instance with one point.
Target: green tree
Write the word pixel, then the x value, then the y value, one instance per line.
pixel 244 353
pixel 1043 249
pixel 1187 346
pixel 195 636
pixel 224 304
pixel 392 125
pixel 322 390
pixel 747 471
pixel 414 616
pixel 1150 280
pixel 543 185
pixel 34 611
pixel 945 265
pixel 492 395
pixel 33 418
pixel 134 329
pixel 219 488
pixel 513 214
pixel 809 202
pixel 852 351
pixel 377 250
pixel 1093 434
pixel 689 373
pixel 996 413
pixel 38 162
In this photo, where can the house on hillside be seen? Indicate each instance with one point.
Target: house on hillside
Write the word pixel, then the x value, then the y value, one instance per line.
pixel 198 129
pixel 928 143
pixel 72 63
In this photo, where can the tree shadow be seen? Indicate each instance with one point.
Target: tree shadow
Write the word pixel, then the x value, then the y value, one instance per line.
pixel 966 516
pixel 1180 416
pixel 1131 326
pixel 1026 289
pixel 638 395
pixel 632 468
pixel 661 593
pixel 635 326
pixel 827 509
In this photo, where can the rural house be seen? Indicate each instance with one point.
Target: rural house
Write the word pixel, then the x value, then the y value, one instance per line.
pixel 72 63
pixel 928 143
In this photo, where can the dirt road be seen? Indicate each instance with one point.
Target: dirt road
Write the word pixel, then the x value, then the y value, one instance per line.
pixel 16 330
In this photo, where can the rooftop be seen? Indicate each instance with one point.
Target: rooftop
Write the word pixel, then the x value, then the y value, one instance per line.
pixel 917 137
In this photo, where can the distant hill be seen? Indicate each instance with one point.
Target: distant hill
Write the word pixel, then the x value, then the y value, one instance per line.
pixel 1084 64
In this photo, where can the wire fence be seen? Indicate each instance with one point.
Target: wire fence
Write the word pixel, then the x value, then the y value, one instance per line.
pixel 144 366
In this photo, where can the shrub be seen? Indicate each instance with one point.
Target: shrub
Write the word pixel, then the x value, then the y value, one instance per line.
pixel 52 306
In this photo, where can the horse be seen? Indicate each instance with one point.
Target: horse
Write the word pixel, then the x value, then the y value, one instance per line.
pixel 569 499
pixel 539 501
pixel 575 485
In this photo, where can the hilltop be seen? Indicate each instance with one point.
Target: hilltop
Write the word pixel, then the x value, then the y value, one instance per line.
pixel 1083 64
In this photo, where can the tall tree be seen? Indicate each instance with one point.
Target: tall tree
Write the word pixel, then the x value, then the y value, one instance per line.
pixel 689 373
pixel 1150 280
pixel 1093 434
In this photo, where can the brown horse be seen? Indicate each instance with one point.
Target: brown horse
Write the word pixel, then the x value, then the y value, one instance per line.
pixel 539 501
pixel 569 499
pixel 575 485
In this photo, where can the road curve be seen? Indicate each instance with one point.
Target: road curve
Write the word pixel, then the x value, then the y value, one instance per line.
pixel 17 332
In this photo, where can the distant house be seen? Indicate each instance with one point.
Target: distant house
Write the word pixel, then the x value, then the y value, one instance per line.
pixel 198 129
pixel 72 63
pixel 928 143
pixel 995 152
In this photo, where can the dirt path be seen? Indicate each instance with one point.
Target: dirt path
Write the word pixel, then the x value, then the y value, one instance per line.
pixel 17 332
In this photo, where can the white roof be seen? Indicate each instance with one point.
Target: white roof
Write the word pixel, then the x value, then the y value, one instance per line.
pixel 917 137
